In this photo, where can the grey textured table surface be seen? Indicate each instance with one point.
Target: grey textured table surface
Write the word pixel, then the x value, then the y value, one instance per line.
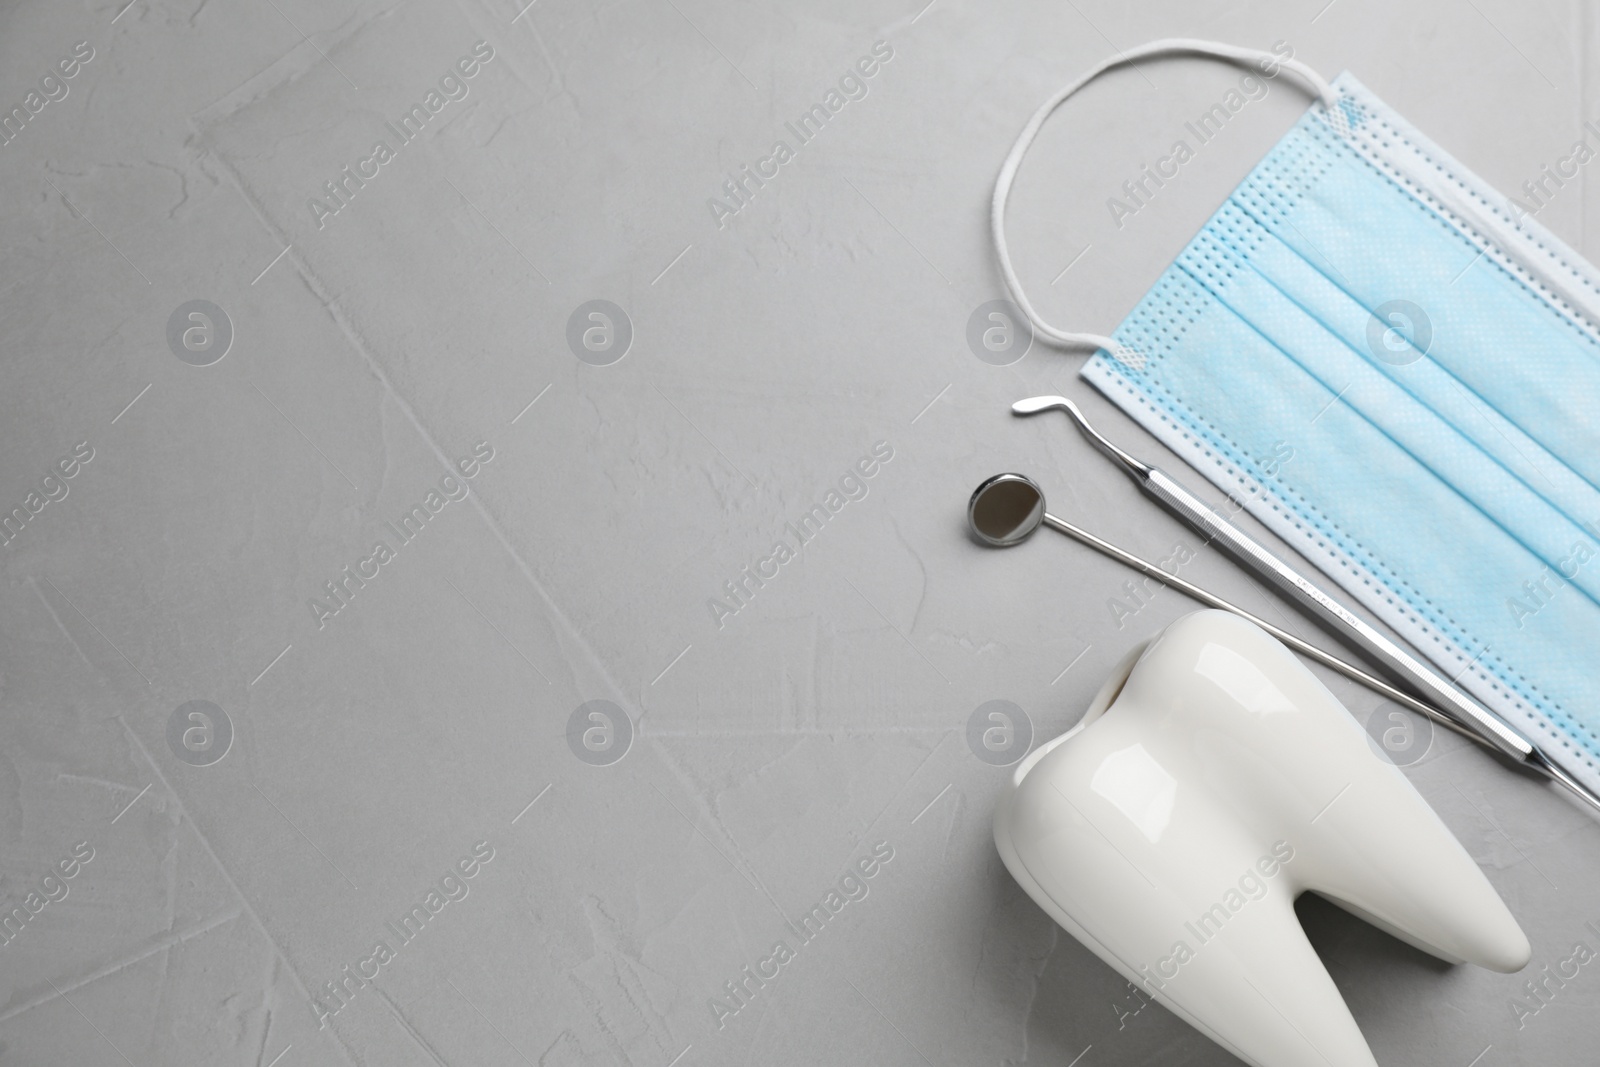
pixel 380 737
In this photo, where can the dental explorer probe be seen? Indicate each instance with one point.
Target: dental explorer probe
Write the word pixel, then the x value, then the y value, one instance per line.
pixel 1007 508
pixel 1256 558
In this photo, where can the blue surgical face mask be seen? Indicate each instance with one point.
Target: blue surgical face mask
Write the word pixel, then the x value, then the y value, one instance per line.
pixel 1399 373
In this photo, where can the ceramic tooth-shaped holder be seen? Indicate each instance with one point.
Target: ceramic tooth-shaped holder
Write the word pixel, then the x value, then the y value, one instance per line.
pixel 1211 782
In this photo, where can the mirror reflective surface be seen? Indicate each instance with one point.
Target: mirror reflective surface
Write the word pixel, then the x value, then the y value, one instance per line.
pixel 1005 509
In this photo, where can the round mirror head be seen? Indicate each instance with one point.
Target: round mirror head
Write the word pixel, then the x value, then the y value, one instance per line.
pixel 1005 509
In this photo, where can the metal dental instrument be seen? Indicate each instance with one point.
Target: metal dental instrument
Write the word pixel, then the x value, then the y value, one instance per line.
pixel 1425 682
pixel 1007 508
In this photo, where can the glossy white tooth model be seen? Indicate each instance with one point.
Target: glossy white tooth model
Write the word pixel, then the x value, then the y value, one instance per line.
pixel 1213 780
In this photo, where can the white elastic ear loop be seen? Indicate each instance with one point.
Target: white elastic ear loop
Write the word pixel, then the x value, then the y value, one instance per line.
pixel 1008 170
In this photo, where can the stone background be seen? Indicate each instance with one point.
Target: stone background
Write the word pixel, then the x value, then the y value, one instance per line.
pixel 763 752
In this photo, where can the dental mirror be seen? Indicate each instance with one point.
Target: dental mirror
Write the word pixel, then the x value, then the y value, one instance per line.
pixel 1005 510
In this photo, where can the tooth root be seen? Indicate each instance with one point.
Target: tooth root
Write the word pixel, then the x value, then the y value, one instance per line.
pixel 1267 993
pixel 1247 977
pixel 1368 861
